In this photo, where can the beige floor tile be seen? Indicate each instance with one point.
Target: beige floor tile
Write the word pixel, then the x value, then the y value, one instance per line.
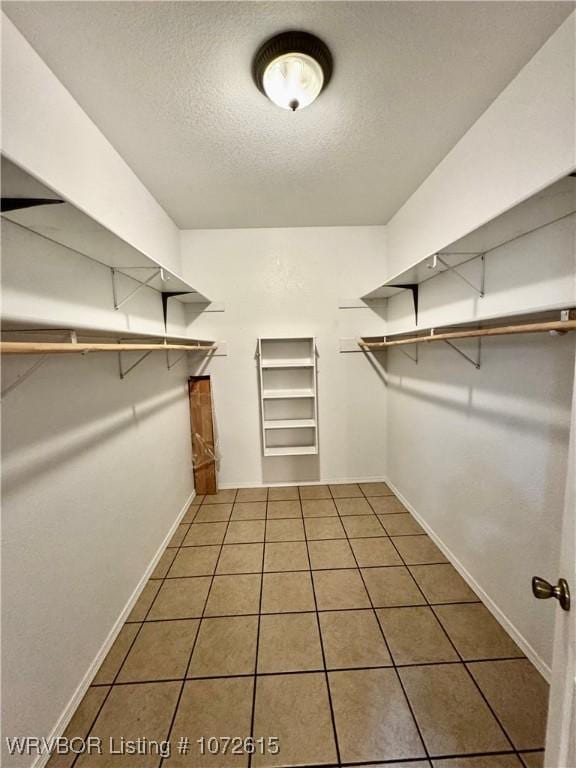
pixel 331 554
pixel 130 712
pixel 533 759
pixel 392 586
pixel 401 764
pixel 375 551
pixel 283 509
pixel 180 599
pixel 249 510
pixel 362 526
pixel 442 584
pixel 345 491
pixel 252 494
pixel 287 592
pixel 353 639
pixel 452 715
pixel 337 590
pixel 286 493
pixel 490 761
pixel 145 600
pixel 234 595
pixel 324 528
pixel 289 642
pixel 80 723
pixel 353 507
pixel 163 565
pixel 400 525
pixel 221 707
pixel 240 558
pixel 375 489
pixel 475 632
pixel 226 496
pixel 116 655
pixel 178 536
pixel 190 513
pixel 518 694
pixel 197 500
pixel 296 709
pixel 213 513
pixel 245 531
pixel 387 505
pixel 414 636
pixel 286 556
pixel 205 533
pixel 225 647
pixel 319 508
pixel 194 561
pixel 315 492
pixel 284 530
pixel 373 720
pixel 416 550
pixel 161 651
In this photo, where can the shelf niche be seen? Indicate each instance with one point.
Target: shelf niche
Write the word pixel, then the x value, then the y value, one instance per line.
pixel 288 396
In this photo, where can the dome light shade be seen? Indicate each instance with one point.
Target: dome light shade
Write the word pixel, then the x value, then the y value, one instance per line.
pixel 292 69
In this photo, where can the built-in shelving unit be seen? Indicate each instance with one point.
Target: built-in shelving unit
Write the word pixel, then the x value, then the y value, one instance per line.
pixel 288 396
pixel 554 203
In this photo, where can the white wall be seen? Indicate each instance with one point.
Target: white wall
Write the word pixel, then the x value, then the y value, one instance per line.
pixel 481 455
pixel 288 282
pixel 46 132
pixel 521 144
pixel 95 473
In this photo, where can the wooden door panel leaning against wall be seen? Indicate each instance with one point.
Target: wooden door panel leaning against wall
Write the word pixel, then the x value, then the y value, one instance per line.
pixel 201 420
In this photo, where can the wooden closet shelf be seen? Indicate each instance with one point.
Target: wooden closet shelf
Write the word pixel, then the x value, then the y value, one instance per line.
pixel 45 347
pixel 503 330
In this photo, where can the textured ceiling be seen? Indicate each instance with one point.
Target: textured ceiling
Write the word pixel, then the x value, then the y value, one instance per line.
pixel 169 84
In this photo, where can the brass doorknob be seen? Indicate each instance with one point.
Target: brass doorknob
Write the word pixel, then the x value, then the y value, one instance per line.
pixel 543 590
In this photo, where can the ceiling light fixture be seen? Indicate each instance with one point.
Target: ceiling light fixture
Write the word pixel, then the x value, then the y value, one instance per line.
pixel 292 69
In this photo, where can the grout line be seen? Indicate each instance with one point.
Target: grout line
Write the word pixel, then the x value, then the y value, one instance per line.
pixel 253 713
pixel 429 605
pixel 134 639
pixel 296 570
pixel 322 649
pixel 320 610
pixel 206 599
pixel 294 672
pixel 393 663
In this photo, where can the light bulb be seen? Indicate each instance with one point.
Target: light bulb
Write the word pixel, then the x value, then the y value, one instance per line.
pixel 293 81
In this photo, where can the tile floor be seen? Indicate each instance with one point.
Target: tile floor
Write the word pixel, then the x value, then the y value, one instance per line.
pixel 323 616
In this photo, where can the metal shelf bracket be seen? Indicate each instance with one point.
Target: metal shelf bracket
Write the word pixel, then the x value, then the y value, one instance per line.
pixel 125 371
pixel 41 360
pixel 414 289
pixel 414 357
pixel 156 272
pixel 474 362
pixel 449 268
pixel 169 364
pixel 23 376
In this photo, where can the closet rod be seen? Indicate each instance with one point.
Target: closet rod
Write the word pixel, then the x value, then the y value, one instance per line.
pixel 43 348
pixel 504 330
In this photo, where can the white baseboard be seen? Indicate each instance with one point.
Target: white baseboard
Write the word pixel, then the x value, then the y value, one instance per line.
pixel 500 617
pixel 324 481
pixel 78 694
